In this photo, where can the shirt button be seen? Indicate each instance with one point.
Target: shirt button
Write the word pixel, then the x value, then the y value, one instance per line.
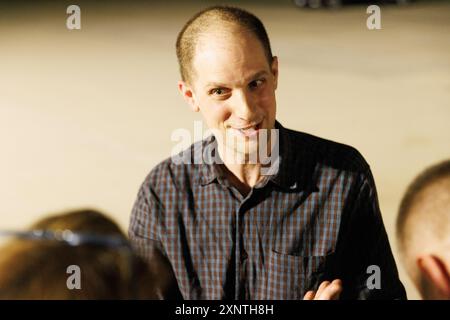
pixel 244 256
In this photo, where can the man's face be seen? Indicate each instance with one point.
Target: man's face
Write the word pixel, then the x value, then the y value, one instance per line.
pixel 233 86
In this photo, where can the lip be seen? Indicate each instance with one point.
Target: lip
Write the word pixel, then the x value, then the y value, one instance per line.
pixel 248 127
pixel 254 129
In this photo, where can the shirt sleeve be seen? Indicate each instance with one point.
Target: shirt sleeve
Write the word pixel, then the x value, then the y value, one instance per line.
pixel 146 241
pixel 371 268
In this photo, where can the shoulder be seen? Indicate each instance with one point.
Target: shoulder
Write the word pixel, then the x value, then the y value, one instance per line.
pixel 327 153
pixel 180 170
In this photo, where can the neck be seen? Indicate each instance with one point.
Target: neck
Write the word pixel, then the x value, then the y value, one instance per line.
pixel 248 174
pixel 239 172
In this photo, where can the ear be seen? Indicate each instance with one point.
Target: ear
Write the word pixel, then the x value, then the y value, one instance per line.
pixel 274 69
pixel 434 270
pixel 188 94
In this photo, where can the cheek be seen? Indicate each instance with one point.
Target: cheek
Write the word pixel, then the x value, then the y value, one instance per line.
pixel 220 111
pixel 267 100
pixel 215 112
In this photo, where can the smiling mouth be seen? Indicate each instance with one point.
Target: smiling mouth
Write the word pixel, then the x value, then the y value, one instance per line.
pixel 249 130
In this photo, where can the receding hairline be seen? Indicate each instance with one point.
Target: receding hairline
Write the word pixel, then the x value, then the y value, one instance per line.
pixel 227 32
pixel 217 19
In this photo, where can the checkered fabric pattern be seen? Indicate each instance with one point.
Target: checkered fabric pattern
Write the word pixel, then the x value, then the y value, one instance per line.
pixel 317 219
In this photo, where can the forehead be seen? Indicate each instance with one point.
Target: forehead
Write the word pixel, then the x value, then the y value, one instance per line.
pixel 224 56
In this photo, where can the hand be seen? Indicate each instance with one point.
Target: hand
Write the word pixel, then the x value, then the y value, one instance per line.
pixel 327 291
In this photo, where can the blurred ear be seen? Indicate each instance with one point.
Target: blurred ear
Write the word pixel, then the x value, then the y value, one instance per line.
pixel 435 272
pixel 274 69
pixel 188 95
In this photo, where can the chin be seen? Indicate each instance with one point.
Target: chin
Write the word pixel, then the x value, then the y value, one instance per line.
pixel 248 155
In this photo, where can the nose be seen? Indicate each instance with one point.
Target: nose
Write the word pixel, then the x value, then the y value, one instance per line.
pixel 242 105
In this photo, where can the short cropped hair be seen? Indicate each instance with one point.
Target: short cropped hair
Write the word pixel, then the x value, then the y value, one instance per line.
pixel 433 175
pixel 201 23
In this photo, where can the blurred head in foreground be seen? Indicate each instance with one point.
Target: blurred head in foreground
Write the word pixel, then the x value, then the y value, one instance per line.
pixel 40 268
pixel 423 231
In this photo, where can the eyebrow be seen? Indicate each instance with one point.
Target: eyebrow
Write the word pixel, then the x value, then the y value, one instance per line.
pixel 256 75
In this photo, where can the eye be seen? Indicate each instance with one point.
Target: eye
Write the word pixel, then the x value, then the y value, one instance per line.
pixel 217 91
pixel 256 83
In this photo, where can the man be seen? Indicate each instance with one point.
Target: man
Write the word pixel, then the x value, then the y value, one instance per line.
pixel 423 231
pixel 236 228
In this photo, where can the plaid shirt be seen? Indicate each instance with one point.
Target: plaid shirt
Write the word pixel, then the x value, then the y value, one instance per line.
pixel 317 219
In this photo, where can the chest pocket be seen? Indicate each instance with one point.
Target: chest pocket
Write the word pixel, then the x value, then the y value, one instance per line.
pixel 289 277
pixel 307 231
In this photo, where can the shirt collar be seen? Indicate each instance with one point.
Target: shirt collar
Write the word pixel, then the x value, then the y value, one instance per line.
pixel 291 175
pixel 209 169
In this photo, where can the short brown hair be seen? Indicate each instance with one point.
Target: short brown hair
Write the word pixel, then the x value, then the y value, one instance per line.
pixel 188 37
pixel 431 176
pixel 37 269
